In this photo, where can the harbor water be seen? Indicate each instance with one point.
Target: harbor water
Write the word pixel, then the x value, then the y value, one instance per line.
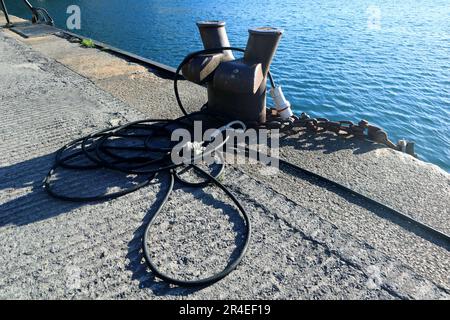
pixel 384 61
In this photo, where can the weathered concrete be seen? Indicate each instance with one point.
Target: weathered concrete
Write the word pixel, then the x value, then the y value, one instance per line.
pixel 308 241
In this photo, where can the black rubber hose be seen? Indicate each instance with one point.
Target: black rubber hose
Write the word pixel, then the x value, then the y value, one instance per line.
pixel 216 277
pixel 203 183
pixel 60 161
pixel 48 187
pixel 101 154
pixel 194 54
pixel 103 162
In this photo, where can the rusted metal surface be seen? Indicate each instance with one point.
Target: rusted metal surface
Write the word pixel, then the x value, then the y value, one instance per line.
pixel 362 130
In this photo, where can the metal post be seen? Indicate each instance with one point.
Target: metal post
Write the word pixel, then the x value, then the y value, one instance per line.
pixel 213 35
pixel 239 87
pixel 39 15
pixel 28 4
pixel 5 11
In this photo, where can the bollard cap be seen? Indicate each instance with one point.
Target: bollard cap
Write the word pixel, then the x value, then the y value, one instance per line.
pixel 211 23
pixel 266 31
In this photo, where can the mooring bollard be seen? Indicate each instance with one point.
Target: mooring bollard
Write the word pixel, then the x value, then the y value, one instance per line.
pixel 236 87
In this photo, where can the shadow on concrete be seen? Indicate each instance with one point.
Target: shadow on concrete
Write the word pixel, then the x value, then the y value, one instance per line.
pixel 32 203
pixel 24 200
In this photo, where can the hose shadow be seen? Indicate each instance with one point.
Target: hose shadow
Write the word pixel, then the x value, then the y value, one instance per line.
pixel 137 265
pixel 24 201
pixel 233 214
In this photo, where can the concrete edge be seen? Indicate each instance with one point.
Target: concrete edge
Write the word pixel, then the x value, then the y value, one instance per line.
pixel 166 70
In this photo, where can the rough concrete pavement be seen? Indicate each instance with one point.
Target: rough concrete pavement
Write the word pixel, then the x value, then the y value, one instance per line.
pixel 308 241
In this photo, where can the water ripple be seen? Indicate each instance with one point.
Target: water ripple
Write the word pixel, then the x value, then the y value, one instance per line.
pixel 332 61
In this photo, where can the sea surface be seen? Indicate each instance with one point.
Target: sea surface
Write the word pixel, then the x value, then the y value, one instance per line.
pixel 384 61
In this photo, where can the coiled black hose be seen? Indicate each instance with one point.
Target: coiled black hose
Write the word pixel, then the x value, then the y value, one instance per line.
pixel 100 151
pixel 216 277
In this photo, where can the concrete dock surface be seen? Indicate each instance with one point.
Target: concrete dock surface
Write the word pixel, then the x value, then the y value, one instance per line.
pixel 310 241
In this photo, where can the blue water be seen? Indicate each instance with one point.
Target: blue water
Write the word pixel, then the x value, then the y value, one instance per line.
pixel 382 60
